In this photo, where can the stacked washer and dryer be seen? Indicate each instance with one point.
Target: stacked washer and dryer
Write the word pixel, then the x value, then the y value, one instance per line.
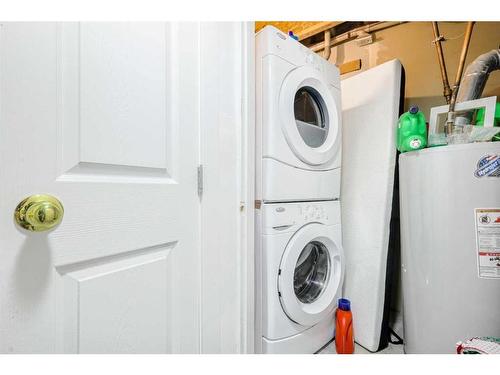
pixel 299 255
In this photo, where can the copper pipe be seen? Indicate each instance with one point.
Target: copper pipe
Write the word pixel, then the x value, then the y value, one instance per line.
pixel 439 49
pixel 465 47
pixel 328 49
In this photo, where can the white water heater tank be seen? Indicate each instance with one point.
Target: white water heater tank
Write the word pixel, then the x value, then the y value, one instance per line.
pixel 450 245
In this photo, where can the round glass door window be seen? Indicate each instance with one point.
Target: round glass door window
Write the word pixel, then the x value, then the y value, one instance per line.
pixel 311 272
pixel 311 116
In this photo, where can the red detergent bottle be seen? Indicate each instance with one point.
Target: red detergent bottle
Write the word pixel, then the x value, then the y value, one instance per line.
pixel 344 338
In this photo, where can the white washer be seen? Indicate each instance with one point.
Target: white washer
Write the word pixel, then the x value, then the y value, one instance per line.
pixel 299 275
pixel 298 121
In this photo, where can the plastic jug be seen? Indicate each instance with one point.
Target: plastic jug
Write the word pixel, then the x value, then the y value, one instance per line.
pixel 496 121
pixel 344 338
pixel 412 130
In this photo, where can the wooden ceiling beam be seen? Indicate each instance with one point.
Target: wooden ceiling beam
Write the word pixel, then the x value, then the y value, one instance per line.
pixel 319 27
pixel 302 29
pixel 350 66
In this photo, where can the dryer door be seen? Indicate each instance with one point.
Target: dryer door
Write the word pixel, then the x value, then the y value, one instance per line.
pixel 310 276
pixel 310 115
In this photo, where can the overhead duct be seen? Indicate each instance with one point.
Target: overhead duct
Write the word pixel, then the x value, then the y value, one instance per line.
pixel 474 80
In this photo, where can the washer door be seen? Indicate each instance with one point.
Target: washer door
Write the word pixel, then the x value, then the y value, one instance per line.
pixel 309 116
pixel 311 273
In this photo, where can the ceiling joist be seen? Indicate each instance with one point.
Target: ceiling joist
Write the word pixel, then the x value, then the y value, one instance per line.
pixel 302 29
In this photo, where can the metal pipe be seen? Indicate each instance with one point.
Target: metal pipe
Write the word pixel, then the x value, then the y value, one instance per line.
pixel 450 122
pixel 474 80
pixel 349 35
pixel 465 49
pixel 439 49
pixel 328 49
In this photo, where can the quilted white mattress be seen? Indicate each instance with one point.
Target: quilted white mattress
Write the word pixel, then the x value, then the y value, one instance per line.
pixel 370 107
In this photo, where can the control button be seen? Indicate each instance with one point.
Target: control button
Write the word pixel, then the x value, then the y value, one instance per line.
pixel 322 212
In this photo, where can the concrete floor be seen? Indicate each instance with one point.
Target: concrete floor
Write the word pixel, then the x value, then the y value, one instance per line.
pixel 391 349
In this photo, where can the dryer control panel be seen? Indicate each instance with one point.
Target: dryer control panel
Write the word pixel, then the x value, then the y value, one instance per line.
pixel 284 217
pixel 271 41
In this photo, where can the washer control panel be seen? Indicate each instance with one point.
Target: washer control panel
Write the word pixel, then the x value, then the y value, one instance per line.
pixel 313 212
pixel 284 217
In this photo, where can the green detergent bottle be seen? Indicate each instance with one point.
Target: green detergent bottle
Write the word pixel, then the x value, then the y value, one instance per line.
pixel 412 130
pixel 496 121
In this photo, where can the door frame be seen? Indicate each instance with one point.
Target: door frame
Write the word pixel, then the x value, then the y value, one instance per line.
pixel 227 154
pixel 248 190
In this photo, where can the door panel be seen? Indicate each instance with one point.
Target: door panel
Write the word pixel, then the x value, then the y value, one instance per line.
pixel 113 77
pixel 122 93
pixel 91 113
pixel 134 321
pixel 108 102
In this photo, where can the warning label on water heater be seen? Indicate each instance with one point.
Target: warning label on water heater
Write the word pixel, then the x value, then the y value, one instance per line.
pixel 488 242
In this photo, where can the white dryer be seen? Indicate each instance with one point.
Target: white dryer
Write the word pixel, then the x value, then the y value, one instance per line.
pixel 299 275
pixel 298 121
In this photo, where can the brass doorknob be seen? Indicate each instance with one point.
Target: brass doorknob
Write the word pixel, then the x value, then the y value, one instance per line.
pixel 39 212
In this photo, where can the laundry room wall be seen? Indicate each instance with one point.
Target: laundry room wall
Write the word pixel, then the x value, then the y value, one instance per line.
pixel 411 43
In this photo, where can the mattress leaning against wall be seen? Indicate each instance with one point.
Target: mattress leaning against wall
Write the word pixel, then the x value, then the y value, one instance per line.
pixel 370 110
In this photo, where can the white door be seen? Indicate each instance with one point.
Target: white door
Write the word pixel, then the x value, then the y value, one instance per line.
pixel 104 117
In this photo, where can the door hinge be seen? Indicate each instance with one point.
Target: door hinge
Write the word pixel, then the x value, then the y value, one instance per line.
pixel 200 180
